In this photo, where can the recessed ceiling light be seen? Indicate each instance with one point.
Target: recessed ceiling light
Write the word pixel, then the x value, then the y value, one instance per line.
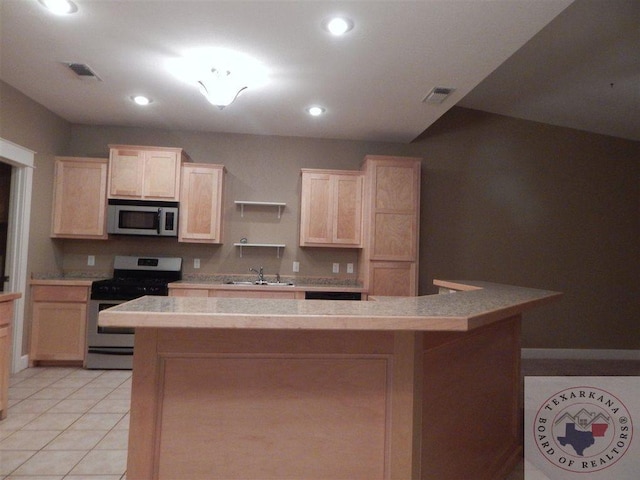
pixel 60 7
pixel 315 111
pixel 338 25
pixel 141 100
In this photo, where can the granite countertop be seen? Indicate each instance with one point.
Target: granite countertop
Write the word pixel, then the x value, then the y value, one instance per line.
pixel 8 296
pixel 296 287
pixel 474 305
pixel 63 281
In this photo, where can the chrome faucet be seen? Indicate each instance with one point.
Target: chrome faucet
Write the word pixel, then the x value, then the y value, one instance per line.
pixel 260 274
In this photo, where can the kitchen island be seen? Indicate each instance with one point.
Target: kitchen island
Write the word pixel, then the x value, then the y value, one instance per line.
pixel 414 387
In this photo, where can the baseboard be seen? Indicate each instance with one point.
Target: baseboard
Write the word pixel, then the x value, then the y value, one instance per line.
pixel 579 354
pixel 21 364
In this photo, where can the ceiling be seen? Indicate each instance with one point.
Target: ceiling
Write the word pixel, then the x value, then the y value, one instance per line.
pixel 371 81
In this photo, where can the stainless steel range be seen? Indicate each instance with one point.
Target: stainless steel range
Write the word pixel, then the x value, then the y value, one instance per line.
pixel 133 277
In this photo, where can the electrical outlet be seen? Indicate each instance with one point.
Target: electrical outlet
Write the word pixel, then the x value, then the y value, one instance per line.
pixel 296 266
pixel 196 263
pixel 91 260
pixel 336 268
pixel 349 267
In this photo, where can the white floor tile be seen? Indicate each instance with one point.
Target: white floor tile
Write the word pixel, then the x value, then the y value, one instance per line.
pixel 114 440
pixel 28 439
pixel 9 461
pixel 53 421
pixel 111 462
pixel 49 462
pixel 70 405
pixel 16 421
pixel 97 421
pixel 33 405
pixel 76 440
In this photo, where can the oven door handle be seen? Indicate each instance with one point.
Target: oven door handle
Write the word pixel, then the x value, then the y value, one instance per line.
pixel 111 351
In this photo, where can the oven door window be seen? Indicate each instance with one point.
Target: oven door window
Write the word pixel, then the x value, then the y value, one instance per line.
pixel 113 330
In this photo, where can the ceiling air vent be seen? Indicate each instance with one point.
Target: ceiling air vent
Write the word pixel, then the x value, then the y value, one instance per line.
pixel 438 95
pixel 83 71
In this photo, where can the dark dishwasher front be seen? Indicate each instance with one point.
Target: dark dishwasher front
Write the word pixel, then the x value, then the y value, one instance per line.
pixel 315 295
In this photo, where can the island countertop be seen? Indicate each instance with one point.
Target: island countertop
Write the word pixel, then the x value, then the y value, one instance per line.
pixel 472 305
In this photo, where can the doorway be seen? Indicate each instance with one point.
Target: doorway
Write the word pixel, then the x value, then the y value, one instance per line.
pixel 22 163
pixel 5 196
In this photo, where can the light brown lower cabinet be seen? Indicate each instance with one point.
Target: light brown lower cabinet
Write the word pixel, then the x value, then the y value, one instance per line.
pixel 59 324
pixel 6 320
pixel 393 278
pixel 235 293
pixel 6 314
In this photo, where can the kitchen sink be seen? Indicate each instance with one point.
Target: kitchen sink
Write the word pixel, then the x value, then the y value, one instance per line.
pixel 269 284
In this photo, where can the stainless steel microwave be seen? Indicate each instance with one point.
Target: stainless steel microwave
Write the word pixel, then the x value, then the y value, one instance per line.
pixel 138 217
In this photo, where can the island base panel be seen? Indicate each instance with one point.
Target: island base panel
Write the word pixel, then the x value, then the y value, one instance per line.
pixel 262 404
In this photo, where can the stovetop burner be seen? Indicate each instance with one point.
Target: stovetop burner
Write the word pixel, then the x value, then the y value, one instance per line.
pixel 135 277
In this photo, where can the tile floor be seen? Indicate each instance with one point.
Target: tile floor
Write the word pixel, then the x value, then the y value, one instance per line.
pixel 66 423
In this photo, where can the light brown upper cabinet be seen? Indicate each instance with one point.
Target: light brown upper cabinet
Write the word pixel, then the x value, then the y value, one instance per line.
pixel 201 197
pixel 79 198
pixel 146 173
pixel 331 208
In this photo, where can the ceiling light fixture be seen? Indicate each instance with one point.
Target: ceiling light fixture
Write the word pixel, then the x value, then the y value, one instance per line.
pixel 220 74
pixel 220 88
pixel 141 100
pixel 315 111
pixel 338 25
pixel 60 7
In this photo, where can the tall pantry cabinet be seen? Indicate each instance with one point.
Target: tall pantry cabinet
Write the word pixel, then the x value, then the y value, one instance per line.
pixel 389 258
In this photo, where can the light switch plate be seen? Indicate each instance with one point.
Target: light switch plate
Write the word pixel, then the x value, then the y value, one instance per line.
pixel 296 266
pixel 336 268
pixel 91 260
pixel 349 267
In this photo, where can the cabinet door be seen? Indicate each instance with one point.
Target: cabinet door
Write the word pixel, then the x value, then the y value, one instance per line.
pixel 331 209
pixel 393 279
pixel 126 170
pixel 80 198
pixel 59 330
pixel 395 210
pixel 188 292
pixel 347 210
pixel 252 294
pixel 5 349
pixel 315 209
pixel 161 175
pixel 201 195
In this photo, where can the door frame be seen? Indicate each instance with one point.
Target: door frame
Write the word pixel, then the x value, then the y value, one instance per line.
pixel 18 238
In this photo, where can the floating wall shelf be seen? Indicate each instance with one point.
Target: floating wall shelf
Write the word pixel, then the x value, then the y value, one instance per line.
pixel 242 204
pixel 277 246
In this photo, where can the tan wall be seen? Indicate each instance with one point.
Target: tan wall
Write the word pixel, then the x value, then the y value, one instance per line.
pixel 30 125
pixel 503 200
pixel 529 204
